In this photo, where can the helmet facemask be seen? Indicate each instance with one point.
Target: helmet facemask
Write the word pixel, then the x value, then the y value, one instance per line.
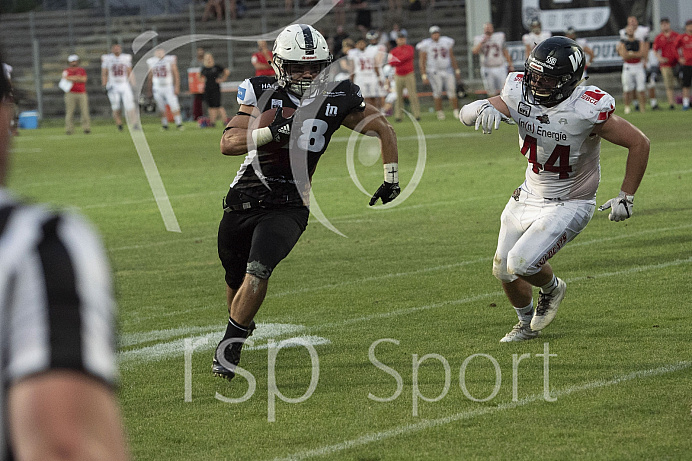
pixel 301 77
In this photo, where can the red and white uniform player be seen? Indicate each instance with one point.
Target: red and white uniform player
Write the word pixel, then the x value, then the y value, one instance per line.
pixel 438 65
pixel 378 53
pixel 365 72
pixel 533 38
pixel 494 62
pixel 562 175
pixel 165 84
pixel 563 156
pixel 118 68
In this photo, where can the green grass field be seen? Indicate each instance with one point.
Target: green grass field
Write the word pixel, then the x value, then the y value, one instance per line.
pixel 416 275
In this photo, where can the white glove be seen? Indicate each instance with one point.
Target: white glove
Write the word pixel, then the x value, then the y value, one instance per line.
pixel 488 117
pixel 621 207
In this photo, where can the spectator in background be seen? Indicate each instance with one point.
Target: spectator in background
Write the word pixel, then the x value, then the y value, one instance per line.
pixel 633 52
pixel 213 75
pixel 6 69
pixel 494 57
pixel 401 58
pixel 216 7
pixel 572 33
pixel 535 36
pixel 667 54
pixel 57 340
pixel 394 34
pixel 684 46
pixel 344 65
pixel 363 15
pixel 262 59
pixel 338 40
pixel 198 98
pixel 76 96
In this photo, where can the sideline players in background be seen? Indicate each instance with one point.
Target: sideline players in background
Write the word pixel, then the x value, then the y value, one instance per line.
pixel 633 51
pixel 265 211
pixel 684 46
pixel 116 70
pixel 558 197
pixel 439 68
pixel 667 54
pixel 366 74
pixel 653 74
pixel 401 58
pixel 640 32
pixel 76 96
pixel 213 75
pixel 378 51
pixel 584 44
pixel 495 58
pixel 164 81
pixel 57 342
pixel 535 36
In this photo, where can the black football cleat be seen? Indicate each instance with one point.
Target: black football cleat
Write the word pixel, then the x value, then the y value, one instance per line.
pixel 232 355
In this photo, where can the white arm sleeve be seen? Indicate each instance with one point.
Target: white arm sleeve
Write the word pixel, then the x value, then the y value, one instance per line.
pixel 470 112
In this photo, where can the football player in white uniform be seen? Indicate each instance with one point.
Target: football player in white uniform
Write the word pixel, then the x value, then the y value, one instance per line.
pixel 164 82
pixel 633 52
pixel 495 58
pixel 366 73
pixel 116 70
pixel 536 36
pixel 560 129
pixel 438 67
pixel 378 52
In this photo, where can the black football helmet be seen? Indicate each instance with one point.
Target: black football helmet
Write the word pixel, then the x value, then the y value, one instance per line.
pixel 552 71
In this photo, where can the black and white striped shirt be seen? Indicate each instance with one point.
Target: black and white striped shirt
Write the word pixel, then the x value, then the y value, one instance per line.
pixel 56 300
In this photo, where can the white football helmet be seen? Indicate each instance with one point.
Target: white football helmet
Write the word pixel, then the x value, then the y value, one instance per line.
pixel 297 49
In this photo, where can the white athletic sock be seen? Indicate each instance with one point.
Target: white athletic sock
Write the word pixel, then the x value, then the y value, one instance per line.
pixel 164 121
pixel 178 119
pixel 525 313
pixel 686 102
pixel 548 287
pixel 654 102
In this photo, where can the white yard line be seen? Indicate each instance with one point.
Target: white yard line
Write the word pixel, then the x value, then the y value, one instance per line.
pixel 174 348
pixel 374 437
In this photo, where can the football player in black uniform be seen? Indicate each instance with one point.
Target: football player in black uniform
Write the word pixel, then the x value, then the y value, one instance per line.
pixel 266 209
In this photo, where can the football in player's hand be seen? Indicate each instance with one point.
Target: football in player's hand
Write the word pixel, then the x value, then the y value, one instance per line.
pixel 267 118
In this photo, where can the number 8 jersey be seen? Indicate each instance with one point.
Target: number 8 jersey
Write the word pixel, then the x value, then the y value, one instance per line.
pixel 562 153
pixel 270 176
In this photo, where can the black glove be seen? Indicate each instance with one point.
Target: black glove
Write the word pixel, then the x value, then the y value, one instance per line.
pixel 388 191
pixel 281 127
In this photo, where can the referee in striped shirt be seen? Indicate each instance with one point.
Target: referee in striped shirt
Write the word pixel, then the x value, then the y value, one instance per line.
pixel 57 355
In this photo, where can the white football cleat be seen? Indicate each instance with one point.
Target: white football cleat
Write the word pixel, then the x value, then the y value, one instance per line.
pixel 520 332
pixel 547 306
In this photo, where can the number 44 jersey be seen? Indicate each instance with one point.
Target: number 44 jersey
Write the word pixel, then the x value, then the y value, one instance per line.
pixel 282 176
pixel 558 143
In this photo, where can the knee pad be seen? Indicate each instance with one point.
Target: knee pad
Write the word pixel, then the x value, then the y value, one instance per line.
pixel 259 270
pixel 517 265
pixel 500 270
